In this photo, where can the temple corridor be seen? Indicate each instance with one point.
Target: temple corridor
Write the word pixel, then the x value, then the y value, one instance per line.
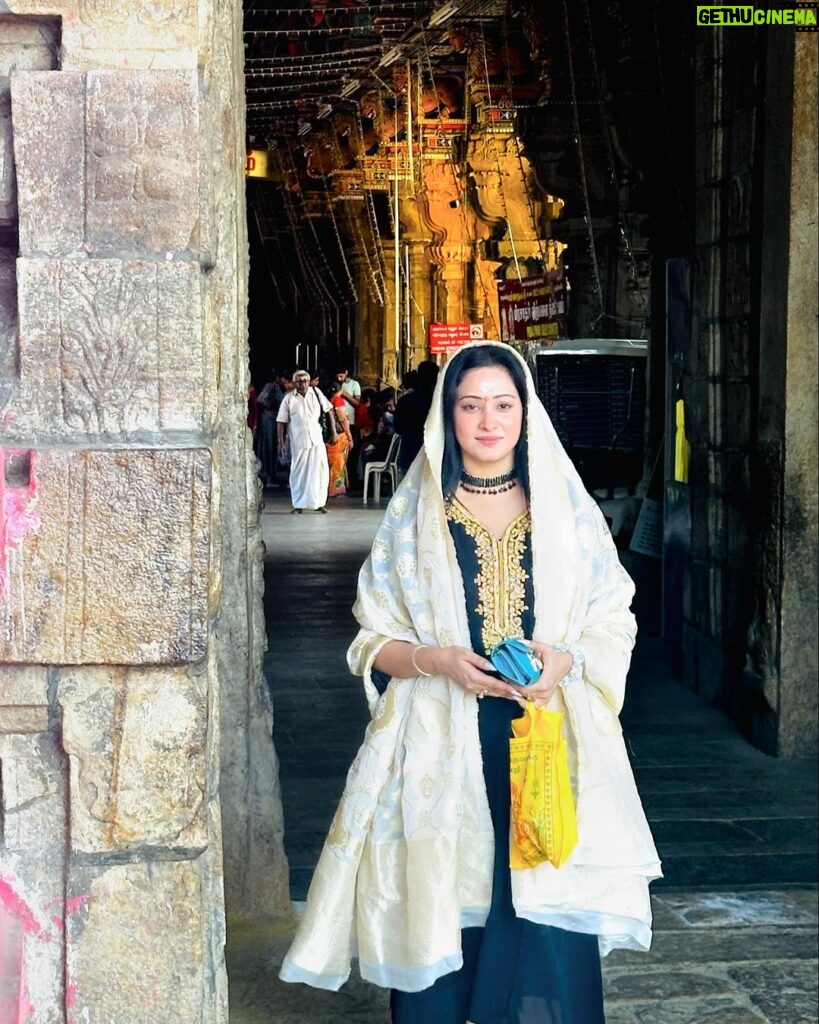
pixel 735 914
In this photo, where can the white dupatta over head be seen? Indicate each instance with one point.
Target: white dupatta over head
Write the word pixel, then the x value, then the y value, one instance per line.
pixel 408 859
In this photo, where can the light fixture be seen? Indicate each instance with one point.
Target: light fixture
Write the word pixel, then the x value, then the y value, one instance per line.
pixel 324 111
pixel 349 89
pixel 390 57
pixel 305 128
pixel 443 13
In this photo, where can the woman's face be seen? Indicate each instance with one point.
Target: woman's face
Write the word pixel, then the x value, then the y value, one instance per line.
pixel 488 418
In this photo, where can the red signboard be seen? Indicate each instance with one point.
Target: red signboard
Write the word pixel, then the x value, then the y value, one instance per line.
pixel 533 309
pixel 443 337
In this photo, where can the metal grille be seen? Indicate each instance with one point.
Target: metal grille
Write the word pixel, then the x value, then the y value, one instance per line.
pixel 595 401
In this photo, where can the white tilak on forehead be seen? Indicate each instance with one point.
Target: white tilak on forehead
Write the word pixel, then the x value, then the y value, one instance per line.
pixel 486 386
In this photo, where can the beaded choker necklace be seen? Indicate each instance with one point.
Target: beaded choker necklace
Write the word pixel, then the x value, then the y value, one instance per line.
pixel 489 484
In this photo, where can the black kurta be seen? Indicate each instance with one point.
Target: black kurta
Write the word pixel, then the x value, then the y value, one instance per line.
pixel 515 971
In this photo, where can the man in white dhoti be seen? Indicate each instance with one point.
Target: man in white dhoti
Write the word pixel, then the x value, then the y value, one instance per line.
pixel 299 414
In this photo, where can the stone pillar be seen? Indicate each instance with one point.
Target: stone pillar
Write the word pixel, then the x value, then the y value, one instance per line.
pixel 131 627
pixel 415 235
pixel 750 603
pixel 800 610
pixel 453 230
pixel 390 347
pixel 420 312
pixel 368 312
pixel 781 667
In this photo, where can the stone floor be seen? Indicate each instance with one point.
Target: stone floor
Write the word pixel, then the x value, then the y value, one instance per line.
pixel 736 913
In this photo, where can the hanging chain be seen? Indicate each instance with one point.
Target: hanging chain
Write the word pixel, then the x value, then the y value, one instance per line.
pixel 345 264
pixel 372 282
pixel 582 164
pixel 319 250
pixel 612 167
pixel 497 158
pixel 309 272
pixel 459 190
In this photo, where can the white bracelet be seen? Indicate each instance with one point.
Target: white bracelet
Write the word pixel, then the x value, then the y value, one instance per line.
pixel 415 665
pixel 575 673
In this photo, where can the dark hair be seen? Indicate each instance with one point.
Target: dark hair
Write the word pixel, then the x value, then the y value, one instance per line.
pixel 461 363
pixel 427 374
pixel 334 387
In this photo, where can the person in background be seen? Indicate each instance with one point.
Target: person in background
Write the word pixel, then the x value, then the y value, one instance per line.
pixel 363 430
pixel 411 412
pixel 338 451
pixel 270 398
pixel 351 392
pixel 409 380
pixel 299 420
pixel 490 535
pixel 376 445
pixel 252 410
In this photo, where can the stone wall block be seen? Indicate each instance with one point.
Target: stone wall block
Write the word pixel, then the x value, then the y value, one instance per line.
pixel 134 945
pixel 140 34
pixel 142 182
pixel 48 111
pixel 8 189
pixel 696 411
pixel 32 797
pixel 707 231
pixel 707 262
pixel 136 745
pixel 106 557
pixel 737 349
pixel 23 685
pixel 129 183
pixel 109 347
pixel 738 414
pixel 738 275
pixel 31 43
pixel 8 325
pixel 716 413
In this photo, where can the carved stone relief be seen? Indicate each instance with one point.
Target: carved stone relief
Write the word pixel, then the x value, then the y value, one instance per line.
pixel 8 191
pixel 8 326
pixel 135 740
pixel 103 165
pixel 109 347
pixel 33 821
pixel 105 557
pixel 145 914
pixel 105 33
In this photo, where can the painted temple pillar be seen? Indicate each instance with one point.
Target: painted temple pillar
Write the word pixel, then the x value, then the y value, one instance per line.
pixel 391 319
pixel 455 229
pixel 366 273
pixel 418 267
pixel 420 304
pixel 508 199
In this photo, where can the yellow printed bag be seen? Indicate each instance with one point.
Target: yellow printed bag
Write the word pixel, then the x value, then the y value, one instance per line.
pixel 544 825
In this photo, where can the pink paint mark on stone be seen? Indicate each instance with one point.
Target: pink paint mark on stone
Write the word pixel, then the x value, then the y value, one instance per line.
pixel 18 504
pixel 16 921
pixel 73 905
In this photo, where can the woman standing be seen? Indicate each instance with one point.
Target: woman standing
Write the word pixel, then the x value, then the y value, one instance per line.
pixel 490 535
pixel 339 450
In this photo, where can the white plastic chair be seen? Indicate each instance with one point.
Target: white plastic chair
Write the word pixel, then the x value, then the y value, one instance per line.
pixel 389 467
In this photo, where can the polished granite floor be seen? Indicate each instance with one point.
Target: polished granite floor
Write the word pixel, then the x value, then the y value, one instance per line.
pixel 736 913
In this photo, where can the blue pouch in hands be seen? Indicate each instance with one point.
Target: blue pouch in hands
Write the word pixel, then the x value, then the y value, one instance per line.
pixel 516 662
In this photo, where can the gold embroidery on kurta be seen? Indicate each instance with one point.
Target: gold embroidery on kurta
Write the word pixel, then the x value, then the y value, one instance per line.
pixel 501 579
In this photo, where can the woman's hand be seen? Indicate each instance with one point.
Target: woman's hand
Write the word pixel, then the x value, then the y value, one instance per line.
pixel 556 665
pixel 467 669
